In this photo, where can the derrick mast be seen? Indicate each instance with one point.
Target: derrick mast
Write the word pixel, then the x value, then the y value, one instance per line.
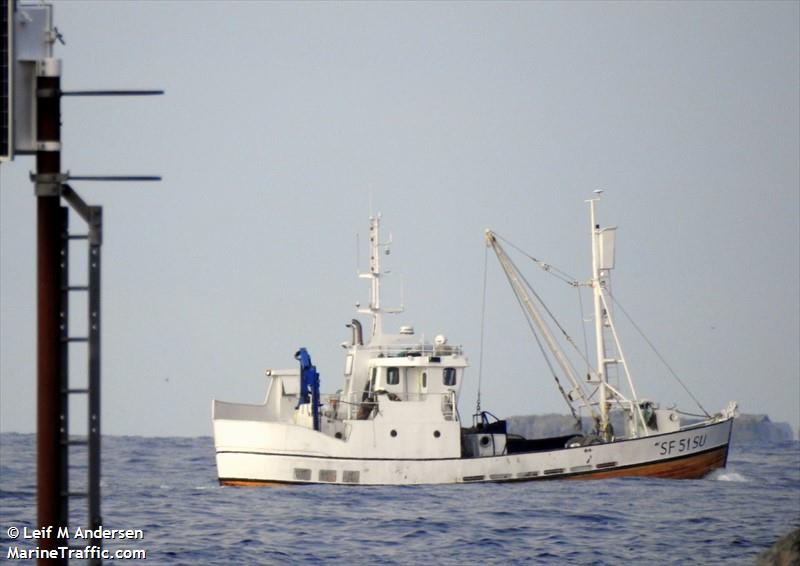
pixel 598 282
pixel 610 357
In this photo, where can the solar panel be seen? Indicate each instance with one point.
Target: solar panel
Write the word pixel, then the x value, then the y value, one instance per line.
pixel 6 23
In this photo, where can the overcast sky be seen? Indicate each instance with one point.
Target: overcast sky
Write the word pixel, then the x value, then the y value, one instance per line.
pixel 281 121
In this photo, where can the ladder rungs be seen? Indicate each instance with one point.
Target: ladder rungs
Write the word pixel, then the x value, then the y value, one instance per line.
pixel 78 236
pixel 74 494
pixel 75 288
pixel 75 339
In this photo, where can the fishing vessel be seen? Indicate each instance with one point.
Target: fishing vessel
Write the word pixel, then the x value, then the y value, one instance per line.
pixel 395 419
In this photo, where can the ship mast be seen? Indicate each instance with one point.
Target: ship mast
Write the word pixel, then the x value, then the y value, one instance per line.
pixel 374 274
pixel 599 318
pixel 609 349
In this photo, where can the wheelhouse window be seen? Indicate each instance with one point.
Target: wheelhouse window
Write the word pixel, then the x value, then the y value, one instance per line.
pixel 424 379
pixel 449 376
pixel 392 376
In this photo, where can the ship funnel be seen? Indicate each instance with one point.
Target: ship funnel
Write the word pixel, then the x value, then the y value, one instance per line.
pixel 358 334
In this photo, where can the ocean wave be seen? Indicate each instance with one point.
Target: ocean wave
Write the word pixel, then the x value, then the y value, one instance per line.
pixel 726 475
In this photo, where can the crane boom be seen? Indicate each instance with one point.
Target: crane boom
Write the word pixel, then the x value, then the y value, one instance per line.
pixel 533 314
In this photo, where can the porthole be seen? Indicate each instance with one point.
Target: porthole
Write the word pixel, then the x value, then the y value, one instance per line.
pixel 393 433
pixel 436 434
pixel 338 435
pixel 484 440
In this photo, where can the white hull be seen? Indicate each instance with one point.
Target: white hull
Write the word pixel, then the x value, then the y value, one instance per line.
pixel 692 452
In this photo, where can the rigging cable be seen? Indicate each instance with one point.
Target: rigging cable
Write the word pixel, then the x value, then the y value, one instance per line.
pixel 583 329
pixel 660 357
pixel 551 269
pixel 555 321
pixel 483 321
pixel 566 278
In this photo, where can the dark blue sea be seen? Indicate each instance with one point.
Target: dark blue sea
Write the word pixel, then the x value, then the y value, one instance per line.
pixel 167 487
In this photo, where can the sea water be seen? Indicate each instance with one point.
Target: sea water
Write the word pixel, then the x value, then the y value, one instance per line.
pixel 167 487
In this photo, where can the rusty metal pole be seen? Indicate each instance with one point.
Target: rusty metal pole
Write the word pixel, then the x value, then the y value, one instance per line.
pixel 50 465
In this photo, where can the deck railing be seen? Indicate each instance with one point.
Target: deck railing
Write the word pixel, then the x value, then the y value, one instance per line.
pixel 415 350
pixel 358 407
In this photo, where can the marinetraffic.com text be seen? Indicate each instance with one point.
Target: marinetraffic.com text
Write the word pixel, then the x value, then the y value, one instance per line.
pixel 71 544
